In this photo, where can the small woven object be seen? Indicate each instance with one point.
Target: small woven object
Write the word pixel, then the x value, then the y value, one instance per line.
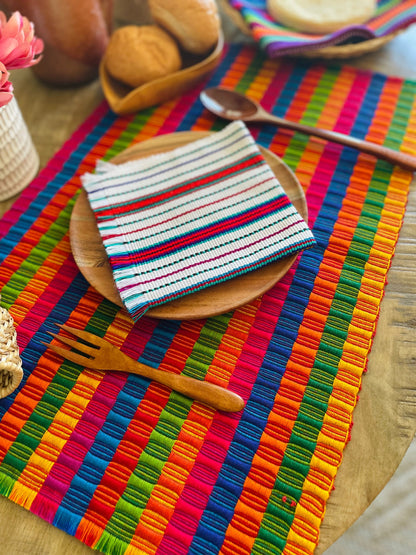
pixel 19 161
pixel 11 371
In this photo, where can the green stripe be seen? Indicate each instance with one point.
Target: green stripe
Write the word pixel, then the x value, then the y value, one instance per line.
pixel 296 460
pixel 311 115
pixel 147 473
pixel 52 400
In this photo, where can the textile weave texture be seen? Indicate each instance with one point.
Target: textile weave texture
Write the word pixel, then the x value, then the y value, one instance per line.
pixel 180 221
pixel 128 466
pixel 278 40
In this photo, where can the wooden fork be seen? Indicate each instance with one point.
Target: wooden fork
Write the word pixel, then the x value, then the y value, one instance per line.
pixel 102 355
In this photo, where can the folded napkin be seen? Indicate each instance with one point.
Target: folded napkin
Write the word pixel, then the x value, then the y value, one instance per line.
pixel 279 40
pixel 180 221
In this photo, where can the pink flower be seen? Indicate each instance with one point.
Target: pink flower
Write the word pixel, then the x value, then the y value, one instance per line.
pixel 6 88
pixel 19 47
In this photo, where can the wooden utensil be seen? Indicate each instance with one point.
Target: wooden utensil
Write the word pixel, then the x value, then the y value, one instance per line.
pixel 91 258
pixel 102 355
pixel 231 105
pixel 124 100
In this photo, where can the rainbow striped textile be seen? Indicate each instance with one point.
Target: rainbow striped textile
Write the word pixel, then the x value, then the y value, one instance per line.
pixel 180 221
pixel 279 40
pixel 128 466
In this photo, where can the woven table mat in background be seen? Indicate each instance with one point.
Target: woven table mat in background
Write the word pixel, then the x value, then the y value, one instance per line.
pixel 278 40
pixel 126 465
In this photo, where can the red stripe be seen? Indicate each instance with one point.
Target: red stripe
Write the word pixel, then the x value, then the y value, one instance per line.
pixel 166 196
pixel 200 235
pixel 176 216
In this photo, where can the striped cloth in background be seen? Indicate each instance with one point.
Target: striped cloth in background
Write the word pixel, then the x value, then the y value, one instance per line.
pixel 279 40
pixel 180 221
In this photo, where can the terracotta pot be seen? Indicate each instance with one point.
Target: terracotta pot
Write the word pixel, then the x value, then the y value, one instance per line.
pixel 75 34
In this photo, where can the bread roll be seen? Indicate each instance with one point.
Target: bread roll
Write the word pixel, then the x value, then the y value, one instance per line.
pixel 320 16
pixel 138 54
pixel 194 23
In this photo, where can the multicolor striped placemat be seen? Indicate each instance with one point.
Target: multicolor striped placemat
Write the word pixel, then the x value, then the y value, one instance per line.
pixel 280 40
pixel 128 466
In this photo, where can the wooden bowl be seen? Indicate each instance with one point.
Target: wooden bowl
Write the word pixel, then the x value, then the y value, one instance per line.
pixel 125 100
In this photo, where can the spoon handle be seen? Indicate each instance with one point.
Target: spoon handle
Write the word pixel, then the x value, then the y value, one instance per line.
pixel 406 161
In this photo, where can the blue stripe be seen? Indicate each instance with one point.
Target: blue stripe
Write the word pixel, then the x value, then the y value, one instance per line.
pixel 230 482
pixel 68 170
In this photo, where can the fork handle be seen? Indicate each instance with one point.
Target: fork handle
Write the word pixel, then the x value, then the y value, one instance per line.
pixel 204 392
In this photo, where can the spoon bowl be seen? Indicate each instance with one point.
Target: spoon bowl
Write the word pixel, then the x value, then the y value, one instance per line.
pixel 229 104
pixel 232 105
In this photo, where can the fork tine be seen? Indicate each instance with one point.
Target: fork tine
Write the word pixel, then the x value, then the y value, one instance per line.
pixel 70 355
pixel 82 334
pixel 86 349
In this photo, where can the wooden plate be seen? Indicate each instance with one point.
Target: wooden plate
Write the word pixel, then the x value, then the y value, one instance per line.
pixel 91 258
pixel 125 100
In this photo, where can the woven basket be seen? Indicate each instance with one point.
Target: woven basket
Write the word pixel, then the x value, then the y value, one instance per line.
pixel 11 372
pixel 19 161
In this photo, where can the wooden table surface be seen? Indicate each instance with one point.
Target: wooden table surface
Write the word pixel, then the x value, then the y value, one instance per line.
pixel 385 416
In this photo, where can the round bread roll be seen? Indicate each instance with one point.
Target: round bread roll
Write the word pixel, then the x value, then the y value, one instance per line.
pixel 320 16
pixel 194 23
pixel 138 54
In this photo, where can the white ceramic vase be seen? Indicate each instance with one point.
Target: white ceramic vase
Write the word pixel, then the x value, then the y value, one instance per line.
pixel 19 161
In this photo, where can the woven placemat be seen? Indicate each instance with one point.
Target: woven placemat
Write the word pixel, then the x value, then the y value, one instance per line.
pixel 253 19
pixel 128 466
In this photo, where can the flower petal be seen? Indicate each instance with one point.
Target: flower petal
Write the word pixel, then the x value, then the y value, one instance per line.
pixel 13 26
pixel 5 97
pixel 19 47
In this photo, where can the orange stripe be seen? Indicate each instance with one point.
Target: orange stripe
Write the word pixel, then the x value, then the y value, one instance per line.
pixel 45 455
pixel 291 391
pixel 194 433
pixel 143 423
pixel 282 139
pixel 390 14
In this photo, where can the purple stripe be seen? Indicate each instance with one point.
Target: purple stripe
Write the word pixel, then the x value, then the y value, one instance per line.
pixel 228 254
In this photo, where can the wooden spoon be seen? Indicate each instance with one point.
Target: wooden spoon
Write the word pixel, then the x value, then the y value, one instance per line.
pixel 231 105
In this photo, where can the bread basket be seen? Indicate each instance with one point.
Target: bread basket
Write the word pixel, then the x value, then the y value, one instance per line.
pixel 123 100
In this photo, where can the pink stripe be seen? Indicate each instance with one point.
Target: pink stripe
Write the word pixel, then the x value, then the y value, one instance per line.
pixel 281 252
pixel 70 459
pixel 326 165
pixel 185 213
pixel 198 487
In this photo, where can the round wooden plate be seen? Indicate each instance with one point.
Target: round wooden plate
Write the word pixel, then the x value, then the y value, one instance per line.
pixel 91 258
